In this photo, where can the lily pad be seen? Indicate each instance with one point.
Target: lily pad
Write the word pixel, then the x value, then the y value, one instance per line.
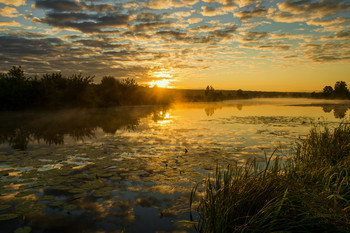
pixel 62 187
pixel 101 193
pixel 56 203
pixel 38 207
pixel 4 207
pixel 10 216
pixel 25 193
pixel 70 207
pixel 80 195
pixel 23 230
pixel 47 198
pixel 24 207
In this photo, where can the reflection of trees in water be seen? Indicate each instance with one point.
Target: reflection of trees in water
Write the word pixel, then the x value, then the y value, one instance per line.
pixel 339 111
pixel 22 128
pixel 210 110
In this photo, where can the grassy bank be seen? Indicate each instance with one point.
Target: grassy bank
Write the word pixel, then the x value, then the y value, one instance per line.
pixel 308 193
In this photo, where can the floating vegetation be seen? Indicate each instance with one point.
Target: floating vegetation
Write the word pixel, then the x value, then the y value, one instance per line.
pixel 4 217
pixel 128 177
pixel 70 207
pixel 4 207
pixel 56 203
pixel 26 229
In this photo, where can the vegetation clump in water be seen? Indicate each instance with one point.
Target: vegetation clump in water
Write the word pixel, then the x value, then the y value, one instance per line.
pixel 308 193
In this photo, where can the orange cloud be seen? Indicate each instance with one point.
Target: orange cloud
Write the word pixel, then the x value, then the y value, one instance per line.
pixel 13 2
pixel 9 12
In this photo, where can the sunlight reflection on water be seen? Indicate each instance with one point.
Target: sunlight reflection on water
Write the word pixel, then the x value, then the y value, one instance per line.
pixel 133 168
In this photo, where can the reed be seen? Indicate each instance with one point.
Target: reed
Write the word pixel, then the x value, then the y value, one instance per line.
pixel 308 193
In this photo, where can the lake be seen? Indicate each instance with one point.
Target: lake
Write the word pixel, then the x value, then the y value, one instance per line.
pixel 131 169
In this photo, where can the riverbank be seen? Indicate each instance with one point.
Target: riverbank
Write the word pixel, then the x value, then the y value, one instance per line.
pixel 310 192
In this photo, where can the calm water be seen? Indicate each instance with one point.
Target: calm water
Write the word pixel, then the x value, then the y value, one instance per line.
pixel 108 170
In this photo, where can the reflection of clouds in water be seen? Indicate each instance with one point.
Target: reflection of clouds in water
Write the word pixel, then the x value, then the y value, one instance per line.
pixel 127 177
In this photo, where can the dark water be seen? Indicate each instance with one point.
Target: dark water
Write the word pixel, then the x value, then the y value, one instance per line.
pixel 126 169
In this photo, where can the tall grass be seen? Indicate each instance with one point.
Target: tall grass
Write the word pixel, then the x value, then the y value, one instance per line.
pixel 309 193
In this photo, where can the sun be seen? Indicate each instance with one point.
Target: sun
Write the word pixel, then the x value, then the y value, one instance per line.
pixel 162 78
pixel 160 83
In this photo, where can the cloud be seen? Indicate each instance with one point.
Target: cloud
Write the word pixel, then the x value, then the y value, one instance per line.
pixel 70 5
pixel 13 2
pixel 329 22
pixel 243 3
pixel 267 46
pixel 150 26
pixel 313 9
pixel 225 32
pixel 284 17
pixel 223 2
pixel 331 25
pixel 13 46
pixel 194 20
pixel 190 2
pixel 254 36
pixel 289 36
pixel 344 35
pixel 9 12
pixel 125 38
pixel 10 24
pixel 58 5
pixel 83 22
pixel 82 56
pixel 258 35
pixel 148 17
pixel 215 11
pixel 27 34
pixel 250 15
pixel 328 52
pixel 163 4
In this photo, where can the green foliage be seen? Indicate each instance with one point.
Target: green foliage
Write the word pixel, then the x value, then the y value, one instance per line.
pixel 309 193
pixel 324 146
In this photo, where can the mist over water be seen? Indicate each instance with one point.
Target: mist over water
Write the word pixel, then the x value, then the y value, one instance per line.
pixel 133 168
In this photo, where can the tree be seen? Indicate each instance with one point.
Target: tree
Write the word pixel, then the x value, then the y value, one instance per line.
pixel 210 93
pixel 16 72
pixel 327 91
pixel 108 91
pixel 128 83
pixel 341 90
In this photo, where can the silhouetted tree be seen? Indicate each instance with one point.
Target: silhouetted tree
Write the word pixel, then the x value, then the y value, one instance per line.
pixel 341 90
pixel 340 111
pixel 57 91
pixel 15 89
pixel 327 91
pixel 108 91
pixel 210 94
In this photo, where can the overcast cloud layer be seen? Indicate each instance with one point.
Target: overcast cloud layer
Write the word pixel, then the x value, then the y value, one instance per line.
pixel 184 37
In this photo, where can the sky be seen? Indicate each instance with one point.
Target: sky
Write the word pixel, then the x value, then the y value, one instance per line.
pixel 267 45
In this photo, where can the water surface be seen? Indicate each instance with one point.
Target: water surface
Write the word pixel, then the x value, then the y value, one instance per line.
pixel 132 168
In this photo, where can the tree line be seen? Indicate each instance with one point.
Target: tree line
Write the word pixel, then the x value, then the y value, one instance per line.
pixel 340 91
pixel 53 91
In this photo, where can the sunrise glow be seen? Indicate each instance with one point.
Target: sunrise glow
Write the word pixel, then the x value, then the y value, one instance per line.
pixel 263 45
pixel 164 83
pixel 162 78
